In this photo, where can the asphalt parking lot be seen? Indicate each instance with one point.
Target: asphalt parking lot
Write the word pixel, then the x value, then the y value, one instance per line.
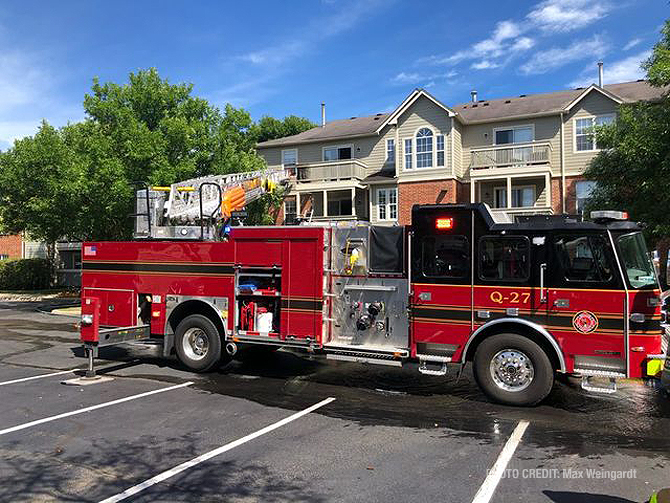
pixel 288 428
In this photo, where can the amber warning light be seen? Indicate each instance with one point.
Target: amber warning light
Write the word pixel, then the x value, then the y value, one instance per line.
pixel 444 223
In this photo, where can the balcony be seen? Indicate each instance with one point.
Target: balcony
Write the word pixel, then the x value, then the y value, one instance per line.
pixel 510 156
pixel 350 169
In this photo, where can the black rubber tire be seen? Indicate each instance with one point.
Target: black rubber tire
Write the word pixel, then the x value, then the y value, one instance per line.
pixel 543 378
pixel 213 356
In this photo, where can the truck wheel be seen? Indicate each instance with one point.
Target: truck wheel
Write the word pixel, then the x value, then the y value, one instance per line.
pixel 513 370
pixel 198 343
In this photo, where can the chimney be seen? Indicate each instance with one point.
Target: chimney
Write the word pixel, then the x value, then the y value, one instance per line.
pixel 473 94
pixel 600 73
pixel 323 114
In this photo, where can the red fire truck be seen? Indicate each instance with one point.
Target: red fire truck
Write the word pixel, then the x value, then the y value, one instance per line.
pixel 519 300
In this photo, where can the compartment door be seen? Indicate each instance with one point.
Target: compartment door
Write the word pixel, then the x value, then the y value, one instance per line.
pixel 117 307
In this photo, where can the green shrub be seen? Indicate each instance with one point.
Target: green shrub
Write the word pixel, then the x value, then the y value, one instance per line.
pixel 25 274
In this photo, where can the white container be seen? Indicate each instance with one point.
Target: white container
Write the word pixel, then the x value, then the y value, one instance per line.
pixel 264 322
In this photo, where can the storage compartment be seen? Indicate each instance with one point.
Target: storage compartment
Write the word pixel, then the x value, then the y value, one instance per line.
pixel 117 307
pixel 258 301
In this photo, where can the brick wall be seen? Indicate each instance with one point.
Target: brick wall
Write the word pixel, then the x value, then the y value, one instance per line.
pixel 10 245
pixel 412 193
pixel 570 195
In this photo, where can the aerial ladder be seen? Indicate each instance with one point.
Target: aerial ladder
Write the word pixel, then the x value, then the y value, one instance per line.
pixel 201 208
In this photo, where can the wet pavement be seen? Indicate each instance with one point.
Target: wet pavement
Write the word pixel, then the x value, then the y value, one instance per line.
pixel 390 434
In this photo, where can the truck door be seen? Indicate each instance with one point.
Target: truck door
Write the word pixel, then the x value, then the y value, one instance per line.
pixel 585 301
pixel 441 299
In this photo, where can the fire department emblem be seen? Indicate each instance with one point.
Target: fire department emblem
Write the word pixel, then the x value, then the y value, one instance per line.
pixel 585 322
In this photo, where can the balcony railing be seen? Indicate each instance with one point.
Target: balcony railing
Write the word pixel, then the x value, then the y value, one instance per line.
pixel 331 171
pixel 520 154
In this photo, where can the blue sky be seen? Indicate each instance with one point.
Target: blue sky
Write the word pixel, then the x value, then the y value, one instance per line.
pixel 285 57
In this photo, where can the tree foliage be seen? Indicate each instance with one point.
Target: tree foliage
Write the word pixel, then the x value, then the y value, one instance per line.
pixel 76 182
pixel 633 168
pixel 269 128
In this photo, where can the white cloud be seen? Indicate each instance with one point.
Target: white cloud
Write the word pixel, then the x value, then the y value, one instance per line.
pixel 510 38
pixel 556 57
pixel 504 41
pixel 484 64
pixel 556 16
pixel 632 43
pixel 405 78
pixel 624 70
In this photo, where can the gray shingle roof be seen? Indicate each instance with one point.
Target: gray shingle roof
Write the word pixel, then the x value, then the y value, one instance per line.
pixel 332 130
pixel 483 110
pixel 548 102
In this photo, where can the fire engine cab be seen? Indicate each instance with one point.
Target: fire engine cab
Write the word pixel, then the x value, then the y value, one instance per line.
pixel 519 300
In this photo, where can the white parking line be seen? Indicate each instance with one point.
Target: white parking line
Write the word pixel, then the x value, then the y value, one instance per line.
pixel 88 409
pixel 208 455
pixel 40 376
pixel 486 490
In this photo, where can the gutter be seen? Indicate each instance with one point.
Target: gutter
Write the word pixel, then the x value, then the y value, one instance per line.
pixel 316 140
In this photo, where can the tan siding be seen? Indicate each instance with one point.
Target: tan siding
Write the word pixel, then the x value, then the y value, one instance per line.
pixel 425 113
pixel 271 155
pixel 547 129
pixel 593 104
pixel 458 149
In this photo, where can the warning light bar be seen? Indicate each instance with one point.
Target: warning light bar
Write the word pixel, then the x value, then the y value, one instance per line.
pixel 444 223
pixel 609 215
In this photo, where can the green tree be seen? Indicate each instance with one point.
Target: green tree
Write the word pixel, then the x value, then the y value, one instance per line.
pixel 39 183
pixel 76 182
pixel 269 128
pixel 633 168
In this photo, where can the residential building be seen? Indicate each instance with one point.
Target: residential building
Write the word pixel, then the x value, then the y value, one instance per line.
pixel 521 155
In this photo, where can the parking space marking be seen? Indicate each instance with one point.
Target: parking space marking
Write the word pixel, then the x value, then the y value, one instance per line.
pixel 89 409
pixel 208 455
pixel 485 492
pixel 40 376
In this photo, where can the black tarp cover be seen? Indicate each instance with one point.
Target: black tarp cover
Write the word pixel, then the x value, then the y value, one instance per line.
pixel 386 249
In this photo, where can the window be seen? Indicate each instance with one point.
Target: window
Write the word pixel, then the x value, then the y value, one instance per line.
pixel 337 153
pixel 408 154
pixel 504 258
pixel 445 257
pixel 521 134
pixel 290 210
pixel 424 148
pixel 390 151
pixel 440 149
pixel 639 269
pixel 585 138
pixel 4 256
pixel 339 207
pixel 387 204
pixel 289 158
pixel 522 197
pixel 584 190
pixel 584 258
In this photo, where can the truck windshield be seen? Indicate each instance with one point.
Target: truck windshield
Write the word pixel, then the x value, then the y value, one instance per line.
pixel 639 268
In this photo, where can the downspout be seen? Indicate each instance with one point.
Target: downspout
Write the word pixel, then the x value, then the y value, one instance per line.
pixel 562 152
pixel 453 171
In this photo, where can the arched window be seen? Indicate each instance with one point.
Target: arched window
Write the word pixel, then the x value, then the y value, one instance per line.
pixel 424 148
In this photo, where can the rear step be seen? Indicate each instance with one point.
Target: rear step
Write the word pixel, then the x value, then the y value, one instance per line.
pixel 433 365
pixel 589 385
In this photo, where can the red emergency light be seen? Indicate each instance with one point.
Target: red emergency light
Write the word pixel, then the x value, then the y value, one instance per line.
pixel 444 223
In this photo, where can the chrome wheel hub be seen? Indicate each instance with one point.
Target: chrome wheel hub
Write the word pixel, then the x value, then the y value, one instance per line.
pixel 512 370
pixel 195 343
